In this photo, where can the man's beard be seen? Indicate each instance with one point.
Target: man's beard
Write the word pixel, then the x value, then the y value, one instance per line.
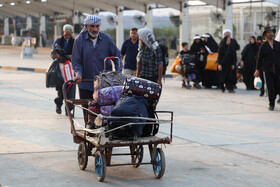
pixel 94 35
pixel 270 37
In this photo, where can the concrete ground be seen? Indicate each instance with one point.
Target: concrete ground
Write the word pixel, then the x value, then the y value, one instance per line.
pixel 220 139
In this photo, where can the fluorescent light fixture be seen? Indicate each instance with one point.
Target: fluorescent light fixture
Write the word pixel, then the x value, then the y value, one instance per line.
pixel 12 4
pixel 43 1
pixel 27 2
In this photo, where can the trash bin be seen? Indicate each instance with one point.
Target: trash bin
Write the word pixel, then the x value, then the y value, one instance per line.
pixel 27 51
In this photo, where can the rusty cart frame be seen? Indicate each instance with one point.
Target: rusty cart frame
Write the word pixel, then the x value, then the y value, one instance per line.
pixel 102 149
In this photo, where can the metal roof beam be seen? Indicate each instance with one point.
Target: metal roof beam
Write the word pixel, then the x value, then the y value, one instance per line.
pixel 11 15
pixel 216 3
pixel 98 4
pixel 71 6
pixel 128 4
pixel 18 9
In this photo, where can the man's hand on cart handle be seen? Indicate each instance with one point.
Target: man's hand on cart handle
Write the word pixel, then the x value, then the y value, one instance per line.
pixel 77 79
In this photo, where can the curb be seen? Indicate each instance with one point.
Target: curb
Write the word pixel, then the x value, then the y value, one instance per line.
pixel 41 70
pixel 37 70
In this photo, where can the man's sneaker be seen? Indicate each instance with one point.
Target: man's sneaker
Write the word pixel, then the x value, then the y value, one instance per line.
pixel 58 110
pixel 261 94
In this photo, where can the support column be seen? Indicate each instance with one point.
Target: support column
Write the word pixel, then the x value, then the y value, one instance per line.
pixel 76 21
pixel 228 16
pixel 149 16
pixel 28 22
pixel 242 29
pixel 184 25
pixel 255 23
pixel 120 27
pixel 42 28
pixel 6 26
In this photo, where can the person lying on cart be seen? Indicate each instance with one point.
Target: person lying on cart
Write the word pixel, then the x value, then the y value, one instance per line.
pixel 90 49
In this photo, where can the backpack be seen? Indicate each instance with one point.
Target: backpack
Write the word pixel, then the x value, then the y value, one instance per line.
pixel 165 59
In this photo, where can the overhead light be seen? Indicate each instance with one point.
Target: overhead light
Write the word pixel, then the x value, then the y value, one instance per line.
pixel 1 5
pixel 28 2
pixel 43 1
pixel 12 4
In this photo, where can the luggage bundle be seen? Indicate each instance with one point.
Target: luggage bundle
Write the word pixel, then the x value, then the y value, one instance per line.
pixel 140 99
pixel 107 98
pixel 134 106
pixel 107 91
pixel 142 87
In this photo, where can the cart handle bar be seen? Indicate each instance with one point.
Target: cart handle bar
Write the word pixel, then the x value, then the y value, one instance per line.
pixel 123 117
pixel 112 58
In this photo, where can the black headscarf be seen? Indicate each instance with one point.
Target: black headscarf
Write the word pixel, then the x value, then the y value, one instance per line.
pixel 196 47
pixel 211 43
pixel 254 45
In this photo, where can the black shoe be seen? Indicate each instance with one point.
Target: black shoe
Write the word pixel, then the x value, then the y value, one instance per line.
pixel 261 94
pixel 197 86
pixel 231 91
pixel 58 110
pixel 271 108
pixel 184 85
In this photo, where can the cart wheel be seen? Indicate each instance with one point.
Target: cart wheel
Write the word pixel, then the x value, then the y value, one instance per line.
pixel 100 166
pixel 158 160
pixel 83 155
pixel 138 156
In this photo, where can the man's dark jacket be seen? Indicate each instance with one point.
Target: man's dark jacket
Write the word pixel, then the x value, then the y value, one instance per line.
pixel 269 59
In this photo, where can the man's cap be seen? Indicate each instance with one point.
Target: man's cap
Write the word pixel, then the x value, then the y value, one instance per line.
pixel 92 20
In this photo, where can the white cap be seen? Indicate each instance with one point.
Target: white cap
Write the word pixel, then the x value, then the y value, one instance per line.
pixel 205 36
pixel 226 30
pixel 196 37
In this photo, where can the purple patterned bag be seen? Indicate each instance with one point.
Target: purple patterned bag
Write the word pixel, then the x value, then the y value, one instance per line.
pixel 106 110
pixel 109 95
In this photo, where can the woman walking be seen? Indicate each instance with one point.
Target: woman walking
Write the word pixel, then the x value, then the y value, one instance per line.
pixel 248 63
pixel 226 60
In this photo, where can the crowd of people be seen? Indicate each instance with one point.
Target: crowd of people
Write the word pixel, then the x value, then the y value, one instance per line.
pixel 141 53
pixel 143 58
pixel 259 58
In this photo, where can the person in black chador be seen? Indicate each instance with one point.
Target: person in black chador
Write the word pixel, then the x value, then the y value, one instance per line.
pixel 226 60
pixel 209 77
pixel 269 61
pixel 248 63
pixel 199 50
pixel 236 47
